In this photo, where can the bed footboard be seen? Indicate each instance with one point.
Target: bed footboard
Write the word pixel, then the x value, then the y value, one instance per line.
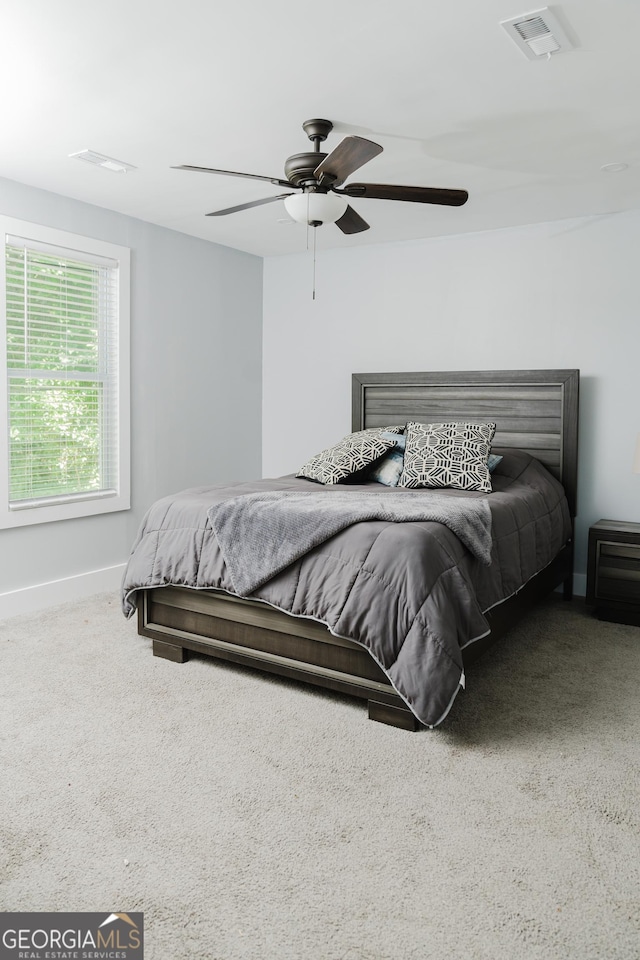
pixel 255 635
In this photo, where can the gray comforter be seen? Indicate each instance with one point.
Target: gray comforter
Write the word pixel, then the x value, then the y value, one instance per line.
pixel 259 534
pixel 410 592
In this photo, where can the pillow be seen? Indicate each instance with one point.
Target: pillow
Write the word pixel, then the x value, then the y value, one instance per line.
pixel 388 470
pixel 448 455
pixel 354 452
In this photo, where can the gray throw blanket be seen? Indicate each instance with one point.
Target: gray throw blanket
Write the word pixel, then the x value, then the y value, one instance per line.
pixel 259 534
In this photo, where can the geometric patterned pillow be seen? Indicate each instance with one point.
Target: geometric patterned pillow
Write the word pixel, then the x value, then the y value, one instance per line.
pixel 353 453
pixel 448 455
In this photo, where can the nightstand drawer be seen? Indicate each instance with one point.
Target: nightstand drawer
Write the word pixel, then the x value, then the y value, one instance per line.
pixel 617 573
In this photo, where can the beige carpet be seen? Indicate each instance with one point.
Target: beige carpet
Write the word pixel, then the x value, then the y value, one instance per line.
pixel 255 819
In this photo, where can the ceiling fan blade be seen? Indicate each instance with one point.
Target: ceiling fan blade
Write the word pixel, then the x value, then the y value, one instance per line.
pixel 233 173
pixel 351 153
pixel 247 206
pixel 352 222
pixel 387 191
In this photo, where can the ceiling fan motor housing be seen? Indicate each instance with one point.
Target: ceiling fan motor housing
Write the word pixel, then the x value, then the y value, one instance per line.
pixel 298 169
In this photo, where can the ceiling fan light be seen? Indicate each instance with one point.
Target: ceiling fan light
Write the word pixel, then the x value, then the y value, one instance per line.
pixel 315 207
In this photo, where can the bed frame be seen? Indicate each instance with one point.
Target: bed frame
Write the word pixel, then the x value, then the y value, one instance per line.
pixel 535 410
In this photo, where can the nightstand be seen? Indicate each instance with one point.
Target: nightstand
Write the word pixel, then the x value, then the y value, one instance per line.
pixel 613 571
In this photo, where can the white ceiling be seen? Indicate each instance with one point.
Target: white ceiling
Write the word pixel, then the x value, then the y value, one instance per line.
pixel 439 85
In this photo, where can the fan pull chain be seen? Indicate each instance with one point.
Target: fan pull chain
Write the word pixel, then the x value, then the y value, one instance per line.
pixel 315 234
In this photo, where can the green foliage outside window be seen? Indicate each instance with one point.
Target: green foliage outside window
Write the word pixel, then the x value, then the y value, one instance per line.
pixel 55 393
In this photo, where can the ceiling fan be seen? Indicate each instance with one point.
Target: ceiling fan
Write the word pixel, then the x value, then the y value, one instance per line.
pixel 319 177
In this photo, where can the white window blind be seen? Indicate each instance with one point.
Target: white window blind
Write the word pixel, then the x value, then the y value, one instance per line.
pixel 63 373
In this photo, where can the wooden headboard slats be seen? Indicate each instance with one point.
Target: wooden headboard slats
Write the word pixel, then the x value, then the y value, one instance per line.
pixel 509 422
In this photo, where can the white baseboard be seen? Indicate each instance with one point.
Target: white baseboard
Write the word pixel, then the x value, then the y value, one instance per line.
pixel 42 595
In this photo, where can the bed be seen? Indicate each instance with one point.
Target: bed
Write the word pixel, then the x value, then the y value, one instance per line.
pixel 536 416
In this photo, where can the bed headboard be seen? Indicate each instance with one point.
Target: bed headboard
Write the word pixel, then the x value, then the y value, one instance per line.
pixel 534 410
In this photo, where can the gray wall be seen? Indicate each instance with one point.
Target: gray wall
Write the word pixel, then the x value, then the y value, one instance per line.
pixel 196 339
pixel 561 294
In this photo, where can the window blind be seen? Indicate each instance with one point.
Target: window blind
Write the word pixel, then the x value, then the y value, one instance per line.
pixel 62 366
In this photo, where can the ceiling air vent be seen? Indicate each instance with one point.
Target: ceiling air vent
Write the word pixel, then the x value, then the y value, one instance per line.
pixel 99 160
pixel 538 34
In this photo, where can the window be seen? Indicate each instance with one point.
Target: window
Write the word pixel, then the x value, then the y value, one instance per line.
pixel 64 382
